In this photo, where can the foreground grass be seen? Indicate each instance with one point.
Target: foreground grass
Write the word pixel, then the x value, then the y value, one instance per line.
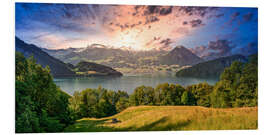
pixel 164 118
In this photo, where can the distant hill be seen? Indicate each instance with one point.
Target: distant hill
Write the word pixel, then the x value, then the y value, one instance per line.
pixel 125 58
pixel 113 57
pixel 212 68
pixel 68 55
pixel 180 56
pixel 90 68
pixel 58 68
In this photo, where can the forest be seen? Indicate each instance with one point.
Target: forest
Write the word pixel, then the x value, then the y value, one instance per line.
pixel 41 106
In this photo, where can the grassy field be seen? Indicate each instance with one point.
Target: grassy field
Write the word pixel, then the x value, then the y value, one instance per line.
pixel 166 118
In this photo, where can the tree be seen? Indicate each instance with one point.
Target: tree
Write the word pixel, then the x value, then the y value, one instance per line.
pixel 184 98
pixel 39 102
pixel 221 96
pixel 122 104
pixel 201 93
pixel 170 94
pixel 187 98
pixel 238 85
pixel 143 95
pixel 98 102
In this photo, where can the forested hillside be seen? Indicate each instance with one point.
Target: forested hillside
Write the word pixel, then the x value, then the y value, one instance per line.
pixel 58 68
pixel 210 69
pixel 88 68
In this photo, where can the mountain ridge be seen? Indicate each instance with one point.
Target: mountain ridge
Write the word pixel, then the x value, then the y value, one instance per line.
pixel 58 67
pixel 181 56
pixel 212 68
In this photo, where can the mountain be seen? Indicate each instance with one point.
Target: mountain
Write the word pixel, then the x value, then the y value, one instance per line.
pixel 113 57
pixel 119 58
pixel 58 68
pixel 61 69
pixel 180 56
pixel 128 61
pixel 90 68
pixel 94 53
pixel 210 69
pixel 68 55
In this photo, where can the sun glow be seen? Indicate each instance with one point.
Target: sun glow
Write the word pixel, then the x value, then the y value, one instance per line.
pixel 129 38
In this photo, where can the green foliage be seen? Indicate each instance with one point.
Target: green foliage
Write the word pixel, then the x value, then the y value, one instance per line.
pixel 143 96
pixel 122 104
pixel 50 124
pixel 201 93
pixel 27 120
pixel 98 102
pixel 40 105
pixel 238 85
pixel 221 96
pixel 169 94
pixel 188 98
pixel 163 94
pixel 184 98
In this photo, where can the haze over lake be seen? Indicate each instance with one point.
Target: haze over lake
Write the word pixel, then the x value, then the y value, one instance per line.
pixel 124 83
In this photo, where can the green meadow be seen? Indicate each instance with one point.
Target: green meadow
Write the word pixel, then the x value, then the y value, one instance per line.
pixel 168 118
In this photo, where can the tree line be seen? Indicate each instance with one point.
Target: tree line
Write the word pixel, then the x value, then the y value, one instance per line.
pixel 42 107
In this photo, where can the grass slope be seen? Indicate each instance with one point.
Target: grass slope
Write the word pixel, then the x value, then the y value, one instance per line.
pixel 166 118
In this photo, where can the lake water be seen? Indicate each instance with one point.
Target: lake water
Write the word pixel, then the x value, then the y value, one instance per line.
pixel 124 83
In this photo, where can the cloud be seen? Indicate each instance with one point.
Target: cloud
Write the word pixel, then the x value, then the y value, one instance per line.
pixel 117 25
pixel 248 49
pixel 247 17
pixel 61 17
pixel 223 47
pixel 166 11
pixel 151 10
pixel 199 50
pixel 158 10
pixel 219 15
pixel 199 11
pixel 151 19
pixel 158 44
pixel 214 49
pixel 233 17
pixel 193 23
pixel 185 22
pixel 166 41
pixel 196 23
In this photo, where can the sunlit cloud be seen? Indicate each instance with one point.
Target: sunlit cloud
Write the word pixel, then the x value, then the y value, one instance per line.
pixel 137 27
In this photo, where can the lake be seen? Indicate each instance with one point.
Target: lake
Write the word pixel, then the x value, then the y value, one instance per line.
pixel 124 83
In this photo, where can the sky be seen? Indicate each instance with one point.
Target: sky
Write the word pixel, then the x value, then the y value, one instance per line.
pixel 203 30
